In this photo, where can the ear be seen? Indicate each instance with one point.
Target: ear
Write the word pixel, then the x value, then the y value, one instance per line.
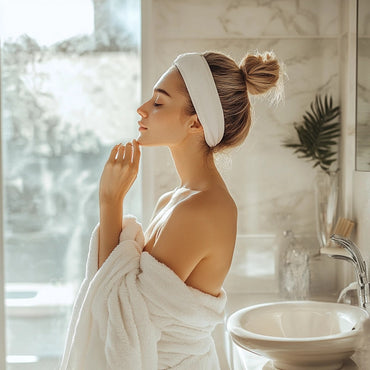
pixel 195 125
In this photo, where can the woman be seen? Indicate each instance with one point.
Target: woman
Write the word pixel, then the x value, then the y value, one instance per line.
pixel 174 275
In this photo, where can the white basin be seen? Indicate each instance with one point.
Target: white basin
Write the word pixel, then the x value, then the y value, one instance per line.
pixel 299 335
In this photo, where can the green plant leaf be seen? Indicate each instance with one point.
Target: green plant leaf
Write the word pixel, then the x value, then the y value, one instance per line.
pixel 317 133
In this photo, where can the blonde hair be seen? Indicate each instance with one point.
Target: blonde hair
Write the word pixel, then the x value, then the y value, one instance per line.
pixel 256 74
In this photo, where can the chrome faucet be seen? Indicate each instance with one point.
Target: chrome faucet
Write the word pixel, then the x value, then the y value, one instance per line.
pixel 360 265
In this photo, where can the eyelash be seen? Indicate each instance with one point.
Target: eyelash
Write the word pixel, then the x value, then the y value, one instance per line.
pixel 156 104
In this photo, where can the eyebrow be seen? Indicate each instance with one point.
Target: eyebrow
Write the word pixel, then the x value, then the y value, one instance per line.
pixel 162 91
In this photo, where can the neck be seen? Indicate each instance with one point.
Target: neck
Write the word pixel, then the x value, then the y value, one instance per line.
pixel 196 169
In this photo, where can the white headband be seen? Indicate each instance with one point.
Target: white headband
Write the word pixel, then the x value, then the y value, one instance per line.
pixel 203 93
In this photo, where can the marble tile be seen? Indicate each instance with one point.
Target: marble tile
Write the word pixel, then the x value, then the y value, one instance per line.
pixel 361 191
pixel 363 145
pixel 363 106
pixel 193 19
pixel 348 109
pixel 363 76
pixel 312 64
pixel 364 18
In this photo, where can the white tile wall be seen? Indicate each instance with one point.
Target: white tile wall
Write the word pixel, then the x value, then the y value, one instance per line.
pixel 193 19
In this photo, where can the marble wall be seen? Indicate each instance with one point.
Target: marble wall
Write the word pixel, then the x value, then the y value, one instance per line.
pixel 348 118
pixel 355 185
pixel 361 180
pixel 267 180
pixel 363 88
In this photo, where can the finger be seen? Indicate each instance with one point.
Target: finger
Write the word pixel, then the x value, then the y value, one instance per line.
pixel 128 153
pixel 136 155
pixel 120 153
pixel 113 153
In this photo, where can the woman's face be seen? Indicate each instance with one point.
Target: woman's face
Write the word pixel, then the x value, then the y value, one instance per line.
pixel 163 118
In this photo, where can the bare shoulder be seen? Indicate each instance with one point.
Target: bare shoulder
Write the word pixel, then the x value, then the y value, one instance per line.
pixel 200 227
pixel 216 217
pixel 214 210
pixel 209 217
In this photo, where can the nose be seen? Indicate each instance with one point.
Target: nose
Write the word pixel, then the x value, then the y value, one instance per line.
pixel 142 112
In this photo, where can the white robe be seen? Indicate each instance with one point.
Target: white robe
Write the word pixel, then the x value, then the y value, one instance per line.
pixel 135 313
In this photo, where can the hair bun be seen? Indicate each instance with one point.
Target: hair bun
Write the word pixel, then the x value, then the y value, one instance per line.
pixel 261 72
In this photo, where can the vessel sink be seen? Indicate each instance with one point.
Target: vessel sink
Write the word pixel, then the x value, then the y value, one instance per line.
pixel 299 335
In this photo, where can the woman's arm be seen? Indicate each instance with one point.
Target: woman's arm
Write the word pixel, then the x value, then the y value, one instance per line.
pixel 118 175
pixel 109 230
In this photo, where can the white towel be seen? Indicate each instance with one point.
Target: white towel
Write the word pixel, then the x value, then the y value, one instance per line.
pixel 135 313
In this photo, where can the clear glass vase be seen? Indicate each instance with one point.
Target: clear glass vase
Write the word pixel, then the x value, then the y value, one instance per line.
pixel 326 199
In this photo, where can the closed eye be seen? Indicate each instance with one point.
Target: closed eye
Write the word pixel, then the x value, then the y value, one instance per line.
pixel 156 104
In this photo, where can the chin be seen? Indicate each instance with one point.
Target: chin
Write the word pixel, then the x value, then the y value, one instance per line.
pixel 146 142
pixel 141 140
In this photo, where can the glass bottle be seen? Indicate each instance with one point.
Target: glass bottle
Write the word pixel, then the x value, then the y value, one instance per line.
pixel 294 272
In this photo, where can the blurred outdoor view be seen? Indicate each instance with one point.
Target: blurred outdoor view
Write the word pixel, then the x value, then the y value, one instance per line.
pixel 70 86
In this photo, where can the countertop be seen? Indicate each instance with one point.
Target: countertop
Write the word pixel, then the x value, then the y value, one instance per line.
pixel 254 362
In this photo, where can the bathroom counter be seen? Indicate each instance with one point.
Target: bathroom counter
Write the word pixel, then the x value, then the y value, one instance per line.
pixel 254 362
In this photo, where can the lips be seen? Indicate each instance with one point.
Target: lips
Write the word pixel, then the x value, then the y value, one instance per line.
pixel 142 127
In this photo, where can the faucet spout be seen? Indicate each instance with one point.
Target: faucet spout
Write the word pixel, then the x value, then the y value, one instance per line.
pixel 360 266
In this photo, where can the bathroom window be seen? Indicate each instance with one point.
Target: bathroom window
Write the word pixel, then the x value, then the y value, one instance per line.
pixel 70 86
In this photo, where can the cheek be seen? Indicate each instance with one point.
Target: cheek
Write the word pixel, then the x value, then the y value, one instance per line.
pixel 166 116
pixel 168 120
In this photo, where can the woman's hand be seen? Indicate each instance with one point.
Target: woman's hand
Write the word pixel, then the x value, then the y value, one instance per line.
pixel 119 173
